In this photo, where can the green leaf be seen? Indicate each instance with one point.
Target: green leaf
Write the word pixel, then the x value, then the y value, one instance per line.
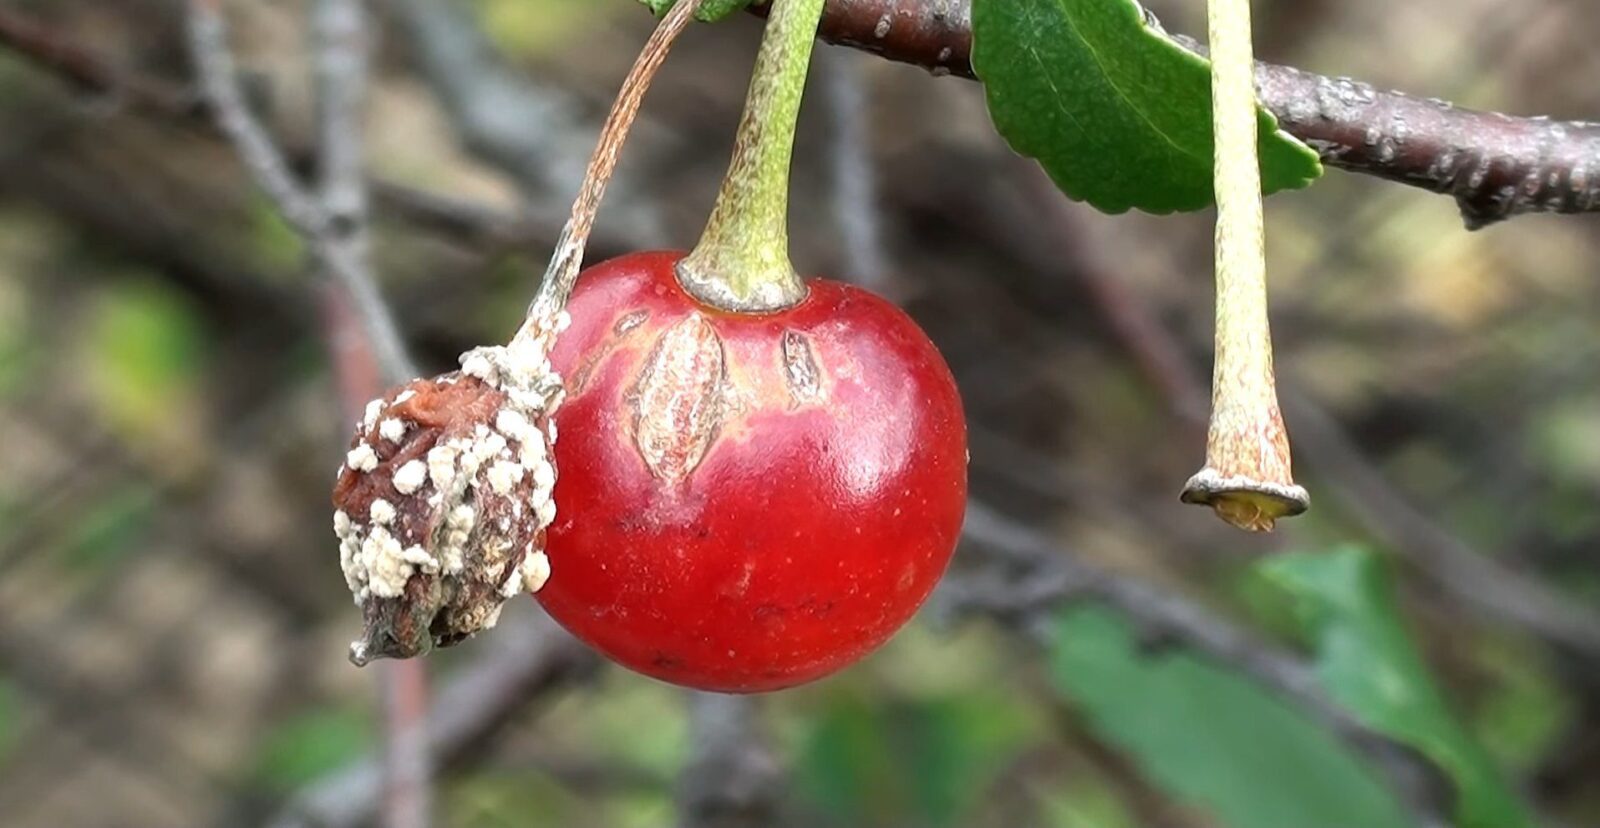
pixel 146 346
pixel 710 11
pixel 108 529
pixel 909 761
pixel 1119 115
pixel 1212 737
pixel 1369 665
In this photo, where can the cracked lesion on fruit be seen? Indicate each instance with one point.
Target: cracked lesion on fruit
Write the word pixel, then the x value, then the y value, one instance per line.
pixel 624 325
pixel 678 399
pixel 629 322
pixel 800 370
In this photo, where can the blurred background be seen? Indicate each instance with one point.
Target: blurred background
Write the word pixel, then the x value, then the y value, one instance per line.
pixel 173 624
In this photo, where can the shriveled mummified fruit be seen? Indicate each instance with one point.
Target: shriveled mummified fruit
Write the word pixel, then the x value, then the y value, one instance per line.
pixel 443 500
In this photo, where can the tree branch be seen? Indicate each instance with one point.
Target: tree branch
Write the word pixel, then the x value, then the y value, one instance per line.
pixel 732 779
pixel 84 70
pixel 533 133
pixel 341 55
pixel 1476 579
pixel 316 225
pixel 529 660
pixel 1494 165
pixel 1048 577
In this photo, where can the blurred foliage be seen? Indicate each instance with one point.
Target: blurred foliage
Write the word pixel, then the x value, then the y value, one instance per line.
pixel 10 717
pixel 108 530
pixel 310 744
pixel 1210 736
pixel 710 10
pixel 1524 711
pixel 143 347
pixel 878 761
pixel 1084 803
pixel 275 243
pixel 530 27
pixel 1368 664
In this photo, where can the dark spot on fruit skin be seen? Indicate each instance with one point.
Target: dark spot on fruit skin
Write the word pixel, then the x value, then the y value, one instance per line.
pixel 667 662
pixel 629 322
pixel 815 608
pixel 800 370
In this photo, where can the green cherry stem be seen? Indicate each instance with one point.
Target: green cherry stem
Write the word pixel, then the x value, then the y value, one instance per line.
pixel 1247 478
pixel 742 261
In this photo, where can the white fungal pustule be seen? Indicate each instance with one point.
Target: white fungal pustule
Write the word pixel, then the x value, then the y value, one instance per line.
pixel 362 458
pixel 535 571
pixel 417 556
pixel 342 527
pixel 442 467
pixel 386 567
pixel 382 512
pixel 373 412
pixel 544 476
pixel 476 363
pixel 393 429
pixel 546 511
pixel 410 477
pixel 514 426
pixel 504 476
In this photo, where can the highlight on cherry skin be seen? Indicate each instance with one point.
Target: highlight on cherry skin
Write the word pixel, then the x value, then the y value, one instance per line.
pixel 747 501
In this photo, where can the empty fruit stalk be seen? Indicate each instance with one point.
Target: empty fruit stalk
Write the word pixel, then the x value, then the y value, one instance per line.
pixel 1247 477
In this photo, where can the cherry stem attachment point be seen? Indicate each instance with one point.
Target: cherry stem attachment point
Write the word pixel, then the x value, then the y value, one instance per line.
pixel 742 261
pixel 1247 477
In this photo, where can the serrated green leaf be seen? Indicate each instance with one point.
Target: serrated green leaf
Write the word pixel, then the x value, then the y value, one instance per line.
pixel 1369 665
pixel 709 12
pixel 1118 114
pixel 1211 737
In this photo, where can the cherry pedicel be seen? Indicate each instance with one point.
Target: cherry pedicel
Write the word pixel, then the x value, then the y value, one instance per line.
pixel 748 501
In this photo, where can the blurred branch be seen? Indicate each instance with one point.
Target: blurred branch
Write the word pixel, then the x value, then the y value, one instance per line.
pixel 334 250
pixel 527 661
pixel 341 47
pixel 1467 574
pixel 1046 577
pixel 1494 165
pixel 1471 576
pixel 85 71
pixel 853 181
pixel 732 779
pixel 502 116
pixel 533 133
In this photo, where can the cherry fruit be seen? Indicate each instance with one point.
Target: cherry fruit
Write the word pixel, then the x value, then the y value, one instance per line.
pixel 747 501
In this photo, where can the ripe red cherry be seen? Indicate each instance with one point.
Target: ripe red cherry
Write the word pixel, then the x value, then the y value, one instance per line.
pixel 747 501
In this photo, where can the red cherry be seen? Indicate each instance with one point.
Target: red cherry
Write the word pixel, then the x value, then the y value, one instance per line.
pixel 747 501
